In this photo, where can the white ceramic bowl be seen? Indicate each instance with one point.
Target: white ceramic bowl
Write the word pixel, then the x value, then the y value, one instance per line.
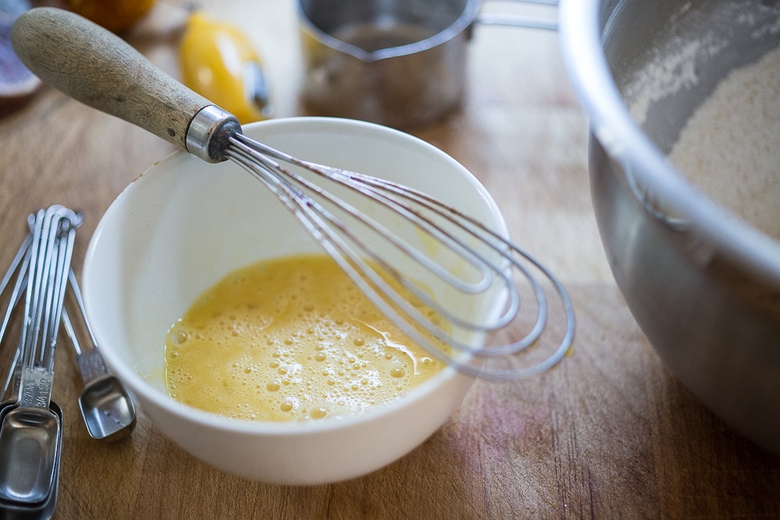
pixel 184 224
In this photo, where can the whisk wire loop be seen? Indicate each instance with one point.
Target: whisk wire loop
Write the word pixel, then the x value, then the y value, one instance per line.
pixel 369 270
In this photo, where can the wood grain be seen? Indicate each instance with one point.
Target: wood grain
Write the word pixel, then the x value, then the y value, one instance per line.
pixel 610 433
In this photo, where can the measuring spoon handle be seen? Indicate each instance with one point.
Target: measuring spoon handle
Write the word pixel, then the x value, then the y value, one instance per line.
pixel 90 361
pixel 96 67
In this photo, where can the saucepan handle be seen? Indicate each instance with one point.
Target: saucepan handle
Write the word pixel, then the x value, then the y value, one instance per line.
pixel 520 20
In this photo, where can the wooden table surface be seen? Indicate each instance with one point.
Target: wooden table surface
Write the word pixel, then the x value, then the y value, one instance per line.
pixel 609 433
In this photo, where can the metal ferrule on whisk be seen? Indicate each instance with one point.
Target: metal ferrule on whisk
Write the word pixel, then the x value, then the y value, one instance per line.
pixel 208 133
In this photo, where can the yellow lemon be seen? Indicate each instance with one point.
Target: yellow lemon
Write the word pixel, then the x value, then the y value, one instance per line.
pixel 219 62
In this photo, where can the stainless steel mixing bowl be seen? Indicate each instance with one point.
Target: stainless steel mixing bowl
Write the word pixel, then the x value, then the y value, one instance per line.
pixel 703 285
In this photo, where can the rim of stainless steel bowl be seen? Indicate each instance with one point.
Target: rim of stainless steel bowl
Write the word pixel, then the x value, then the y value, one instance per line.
pixel 627 144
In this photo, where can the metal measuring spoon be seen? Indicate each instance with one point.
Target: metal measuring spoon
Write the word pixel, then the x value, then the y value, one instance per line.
pixel 31 430
pixel 9 393
pixel 106 406
pixel 45 508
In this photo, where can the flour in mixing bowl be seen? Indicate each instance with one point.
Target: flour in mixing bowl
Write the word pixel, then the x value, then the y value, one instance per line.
pixel 730 147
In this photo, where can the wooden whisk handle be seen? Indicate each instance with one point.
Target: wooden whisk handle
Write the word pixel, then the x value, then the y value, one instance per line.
pixel 98 68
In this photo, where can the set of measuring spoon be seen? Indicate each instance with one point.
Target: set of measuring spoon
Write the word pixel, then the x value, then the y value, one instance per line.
pixel 31 424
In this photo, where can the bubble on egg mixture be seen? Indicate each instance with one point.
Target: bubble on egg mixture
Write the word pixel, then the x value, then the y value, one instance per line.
pixel 290 339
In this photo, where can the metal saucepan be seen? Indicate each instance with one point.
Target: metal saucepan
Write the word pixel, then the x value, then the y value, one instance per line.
pixel 703 285
pixel 401 63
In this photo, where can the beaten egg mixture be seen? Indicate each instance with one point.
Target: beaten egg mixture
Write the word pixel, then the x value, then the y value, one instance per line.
pixel 290 339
